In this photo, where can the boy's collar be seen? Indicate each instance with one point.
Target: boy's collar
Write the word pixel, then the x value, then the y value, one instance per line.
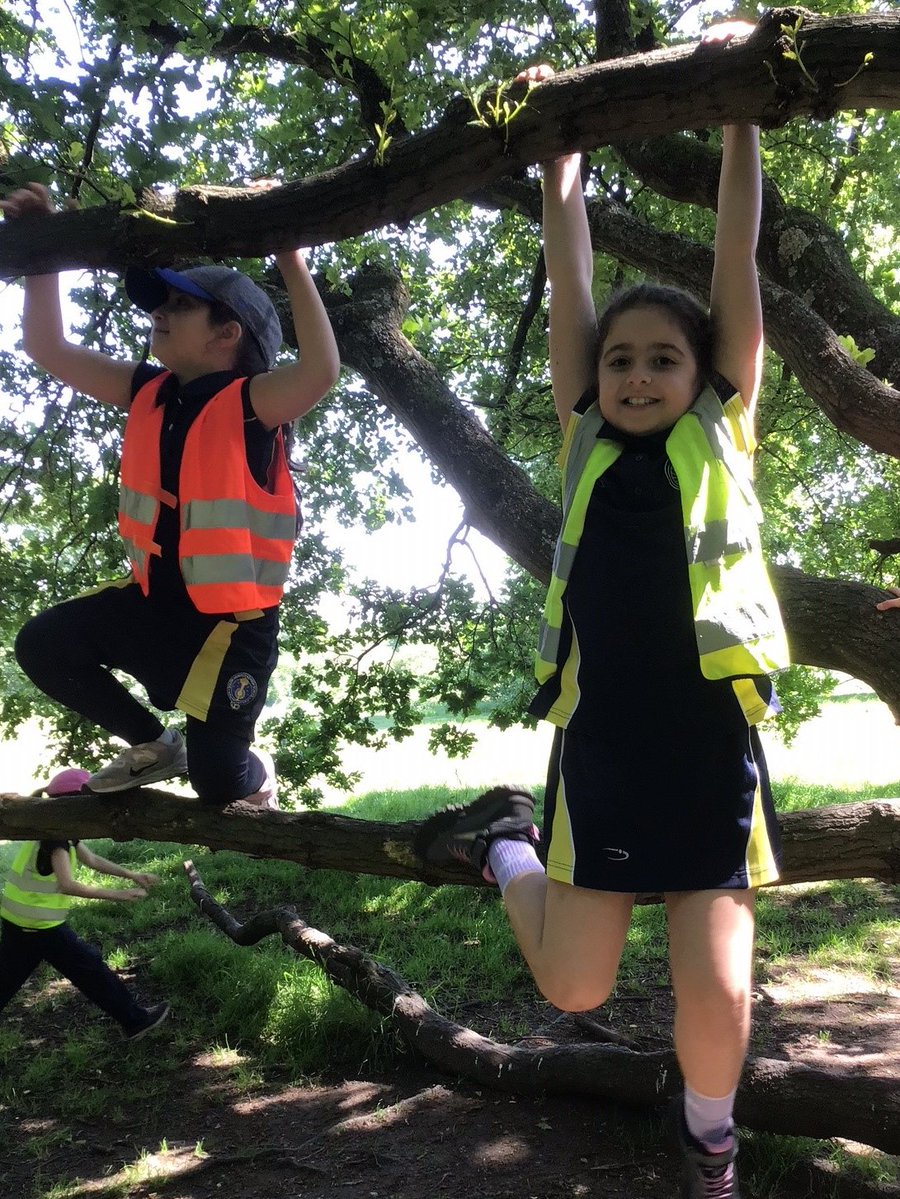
pixel 202 388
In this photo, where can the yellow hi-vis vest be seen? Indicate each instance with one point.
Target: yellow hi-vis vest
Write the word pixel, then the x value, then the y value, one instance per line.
pixel 736 619
pixel 34 900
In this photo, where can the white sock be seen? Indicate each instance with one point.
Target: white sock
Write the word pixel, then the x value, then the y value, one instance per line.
pixel 168 737
pixel 509 859
pixel 708 1120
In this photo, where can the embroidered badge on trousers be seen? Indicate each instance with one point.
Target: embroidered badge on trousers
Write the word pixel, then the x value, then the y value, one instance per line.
pixel 241 689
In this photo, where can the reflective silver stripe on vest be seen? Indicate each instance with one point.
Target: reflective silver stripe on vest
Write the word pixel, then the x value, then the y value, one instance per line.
pixel 38 883
pixel 237 514
pixel 137 506
pixel 137 556
pixel 233 568
pixel 714 542
pixel 44 915
pixel 743 628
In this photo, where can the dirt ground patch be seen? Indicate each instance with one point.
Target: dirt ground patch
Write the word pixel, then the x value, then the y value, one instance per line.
pixel 411 1133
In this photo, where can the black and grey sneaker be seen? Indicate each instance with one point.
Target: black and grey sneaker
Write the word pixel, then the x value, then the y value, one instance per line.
pixel 705 1175
pixel 150 762
pixel 464 832
pixel 153 1017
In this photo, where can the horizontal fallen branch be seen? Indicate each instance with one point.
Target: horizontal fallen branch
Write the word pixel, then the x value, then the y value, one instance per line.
pixel 859 840
pixel 776 1096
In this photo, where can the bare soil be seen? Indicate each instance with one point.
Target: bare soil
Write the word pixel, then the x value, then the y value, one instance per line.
pixel 410 1133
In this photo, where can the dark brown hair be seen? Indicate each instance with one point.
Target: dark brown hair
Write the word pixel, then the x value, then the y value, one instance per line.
pixel 692 318
pixel 249 359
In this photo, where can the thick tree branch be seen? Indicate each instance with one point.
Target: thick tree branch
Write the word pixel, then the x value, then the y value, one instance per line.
pixel 612 29
pixel 688 87
pixel 860 840
pixel 778 1096
pixel 499 498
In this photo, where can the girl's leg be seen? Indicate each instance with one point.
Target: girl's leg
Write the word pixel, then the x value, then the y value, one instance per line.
pixel 83 966
pixel 711 952
pixel 20 956
pixel 572 938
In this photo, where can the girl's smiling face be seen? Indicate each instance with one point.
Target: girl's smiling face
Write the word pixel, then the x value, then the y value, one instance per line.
pixel 647 375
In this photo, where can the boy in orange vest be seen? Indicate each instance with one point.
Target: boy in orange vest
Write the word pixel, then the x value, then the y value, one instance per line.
pixel 34 921
pixel 207 513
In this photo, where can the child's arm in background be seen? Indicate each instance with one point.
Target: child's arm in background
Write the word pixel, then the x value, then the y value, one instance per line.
pixel 68 885
pixel 43 340
pixel 569 258
pixel 288 391
pixel 734 301
pixel 102 865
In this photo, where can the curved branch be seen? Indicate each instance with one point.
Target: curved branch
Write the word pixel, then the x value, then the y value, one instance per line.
pixel 499 498
pixel 775 1095
pixel 303 50
pixel 687 87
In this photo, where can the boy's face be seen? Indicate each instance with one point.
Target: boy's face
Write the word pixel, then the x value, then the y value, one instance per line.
pixel 183 337
pixel 647 375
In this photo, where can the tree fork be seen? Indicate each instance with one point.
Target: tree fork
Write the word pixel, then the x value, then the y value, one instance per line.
pixel 777 1096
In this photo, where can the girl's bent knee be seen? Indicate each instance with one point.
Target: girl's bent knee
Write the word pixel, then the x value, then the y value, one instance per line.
pixel 572 995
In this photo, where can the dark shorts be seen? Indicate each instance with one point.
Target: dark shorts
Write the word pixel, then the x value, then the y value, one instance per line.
pixel 660 813
pixel 215 668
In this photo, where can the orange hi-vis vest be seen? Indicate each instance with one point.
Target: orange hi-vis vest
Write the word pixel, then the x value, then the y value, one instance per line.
pixel 236 537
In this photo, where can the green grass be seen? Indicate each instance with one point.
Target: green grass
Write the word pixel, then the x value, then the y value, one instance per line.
pixel 257 1019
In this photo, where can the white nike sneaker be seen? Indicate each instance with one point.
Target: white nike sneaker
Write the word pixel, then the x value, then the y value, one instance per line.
pixel 150 762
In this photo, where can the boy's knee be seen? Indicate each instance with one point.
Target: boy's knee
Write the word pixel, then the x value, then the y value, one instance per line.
pixel 43 637
pixel 30 644
pixel 221 782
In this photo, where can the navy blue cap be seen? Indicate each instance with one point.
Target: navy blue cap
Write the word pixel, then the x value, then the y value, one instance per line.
pixel 256 312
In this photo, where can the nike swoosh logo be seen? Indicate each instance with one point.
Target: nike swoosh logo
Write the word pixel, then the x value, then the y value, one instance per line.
pixel 143 769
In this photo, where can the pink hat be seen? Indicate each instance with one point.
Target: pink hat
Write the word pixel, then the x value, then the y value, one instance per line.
pixel 68 781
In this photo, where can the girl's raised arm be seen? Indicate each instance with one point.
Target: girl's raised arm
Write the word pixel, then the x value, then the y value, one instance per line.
pixel 734 297
pixel 570 267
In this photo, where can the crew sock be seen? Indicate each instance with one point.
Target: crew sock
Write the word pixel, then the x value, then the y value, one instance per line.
pixel 709 1120
pixel 508 859
pixel 168 737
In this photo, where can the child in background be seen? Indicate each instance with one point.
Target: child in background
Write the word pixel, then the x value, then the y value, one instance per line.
pixel 34 929
pixel 659 631
pixel 207 513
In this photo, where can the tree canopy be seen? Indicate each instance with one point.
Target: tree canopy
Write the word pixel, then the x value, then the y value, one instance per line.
pixel 401 152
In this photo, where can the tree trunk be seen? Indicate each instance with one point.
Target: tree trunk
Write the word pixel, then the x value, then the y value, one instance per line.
pixel 860 840
pixel 777 1096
